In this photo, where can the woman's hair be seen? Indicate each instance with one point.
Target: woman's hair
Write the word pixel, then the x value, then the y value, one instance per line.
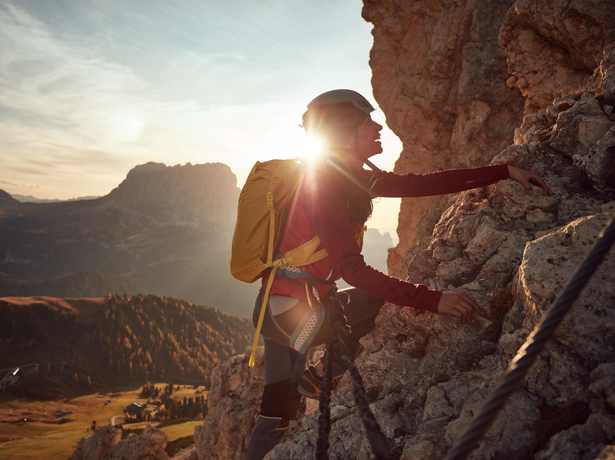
pixel 360 204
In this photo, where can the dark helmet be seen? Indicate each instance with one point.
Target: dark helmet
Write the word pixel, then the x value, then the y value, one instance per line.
pixel 338 96
pixel 331 98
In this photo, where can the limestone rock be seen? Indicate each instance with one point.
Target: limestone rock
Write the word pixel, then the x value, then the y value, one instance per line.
pixel 232 405
pixel 607 70
pixel 548 262
pixel 439 75
pixel 558 376
pixel 107 444
pixel 580 127
pixel 513 434
pixel 99 445
pixel 603 384
pixel 420 448
pixel 553 47
pixel 599 163
pixel 150 445
pixel 581 442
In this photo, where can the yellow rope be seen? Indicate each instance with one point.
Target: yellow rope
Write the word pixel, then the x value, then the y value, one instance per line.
pixel 271 228
pixel 261 318
pixel 265 300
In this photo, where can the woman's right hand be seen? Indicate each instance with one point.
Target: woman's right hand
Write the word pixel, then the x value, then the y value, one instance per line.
pixel 457 303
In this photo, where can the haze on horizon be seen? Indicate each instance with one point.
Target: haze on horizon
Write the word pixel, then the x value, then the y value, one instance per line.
pixel 90 89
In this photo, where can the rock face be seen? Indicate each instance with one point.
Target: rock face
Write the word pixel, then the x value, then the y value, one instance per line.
pixel 163 230
pixel 440 77
pixel 107 443
pixel 553 47
pixel 232 404
pixel 466 83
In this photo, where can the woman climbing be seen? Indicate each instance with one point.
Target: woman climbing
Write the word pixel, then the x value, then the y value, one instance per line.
pixel 333 202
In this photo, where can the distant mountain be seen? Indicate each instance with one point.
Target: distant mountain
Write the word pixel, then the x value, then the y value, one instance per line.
pixel 33 199
pixel 164 230
pixel 376 247
pixel 6 200
pixel 82 342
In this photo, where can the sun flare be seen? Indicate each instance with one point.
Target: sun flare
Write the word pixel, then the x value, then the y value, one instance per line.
pixel 292 143
pixel 312 148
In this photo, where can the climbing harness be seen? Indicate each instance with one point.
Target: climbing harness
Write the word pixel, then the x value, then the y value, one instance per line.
pixel 382 447
pixel 535 342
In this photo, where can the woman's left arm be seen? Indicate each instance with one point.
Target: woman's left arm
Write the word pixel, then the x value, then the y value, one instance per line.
pixel 387 184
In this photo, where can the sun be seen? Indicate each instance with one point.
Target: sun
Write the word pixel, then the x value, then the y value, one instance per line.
pixel 312 148
pixel 292 142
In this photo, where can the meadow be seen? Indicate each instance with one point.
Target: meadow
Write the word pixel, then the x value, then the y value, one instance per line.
pixel 51 429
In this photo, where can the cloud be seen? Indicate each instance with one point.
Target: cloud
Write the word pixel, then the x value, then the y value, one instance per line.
pixel 57 88
pixel 62 171
pixel 6 182
pixel 85 160
pixel 69 117
pixel 61 84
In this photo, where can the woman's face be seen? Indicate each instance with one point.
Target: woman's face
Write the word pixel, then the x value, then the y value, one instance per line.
pixel 348 129
pixel 367 138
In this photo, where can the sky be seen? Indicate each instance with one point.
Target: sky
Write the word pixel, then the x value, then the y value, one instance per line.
pixel 91 88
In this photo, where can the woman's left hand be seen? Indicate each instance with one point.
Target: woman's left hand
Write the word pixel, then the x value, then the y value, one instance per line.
pixel 526 178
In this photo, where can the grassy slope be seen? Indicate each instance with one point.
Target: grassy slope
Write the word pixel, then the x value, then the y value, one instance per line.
pixel 181 429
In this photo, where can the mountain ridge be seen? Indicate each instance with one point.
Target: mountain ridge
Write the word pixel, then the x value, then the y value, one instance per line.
pixel 164 230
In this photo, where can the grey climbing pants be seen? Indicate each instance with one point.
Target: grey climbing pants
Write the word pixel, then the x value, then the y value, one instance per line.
pixel 292 327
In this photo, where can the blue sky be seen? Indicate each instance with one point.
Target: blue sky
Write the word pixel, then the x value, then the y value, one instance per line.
pixel 91 88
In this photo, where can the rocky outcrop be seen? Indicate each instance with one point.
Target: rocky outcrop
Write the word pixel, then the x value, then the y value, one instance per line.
pixel 444 74
pixel 554 47
pixel 232 404
pixel 440 77
pixel 463 84
pixel 107 444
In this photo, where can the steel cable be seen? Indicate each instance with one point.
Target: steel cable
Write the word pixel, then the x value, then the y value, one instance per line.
pixel 535 342
pixel 382 447
pixel 324 419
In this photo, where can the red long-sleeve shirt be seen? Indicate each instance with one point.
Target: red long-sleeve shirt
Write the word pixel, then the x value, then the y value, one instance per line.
pixel 321 209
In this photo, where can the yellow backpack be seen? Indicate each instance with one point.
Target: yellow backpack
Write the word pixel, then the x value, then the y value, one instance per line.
pixel 265 202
